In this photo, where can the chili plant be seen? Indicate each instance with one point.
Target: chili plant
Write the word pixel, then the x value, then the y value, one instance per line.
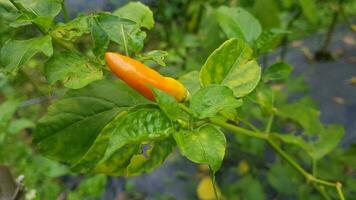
pixel 104 126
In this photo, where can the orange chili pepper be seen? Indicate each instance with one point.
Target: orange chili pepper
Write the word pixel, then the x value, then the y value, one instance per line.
pixel 140 77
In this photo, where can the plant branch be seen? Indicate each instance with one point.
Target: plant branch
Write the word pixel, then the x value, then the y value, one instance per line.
pixel 65 12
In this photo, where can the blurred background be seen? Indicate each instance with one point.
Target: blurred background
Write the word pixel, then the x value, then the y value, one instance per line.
pixel 321 47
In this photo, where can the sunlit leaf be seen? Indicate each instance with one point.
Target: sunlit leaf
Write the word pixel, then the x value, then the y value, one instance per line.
pixel 232 65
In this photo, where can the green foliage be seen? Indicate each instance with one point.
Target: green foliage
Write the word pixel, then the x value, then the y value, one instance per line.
pixel 103 126
pixel 138 13
pixel 15 53
pixel 205 145
pixel 277 71
pixel 73 70
pixel 208 101
pixel 238 23
pixel 232 65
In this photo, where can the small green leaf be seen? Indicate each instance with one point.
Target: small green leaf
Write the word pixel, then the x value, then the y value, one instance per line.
pixel 208 101
pixel 205 145
pixel 310 10
pixel 113 26
pixel 268 40
pixel 276 72
pixel 304 115
pixel 16 53
pixel 74 70
pixel 232 65
pixel 283 185
pixel 137 12
pixel 236 22
pixel 122 31
pixel 156 55
pixel 191 81
pixel 328 140
pixel 167 103
pixel 20 124
pixel 249 188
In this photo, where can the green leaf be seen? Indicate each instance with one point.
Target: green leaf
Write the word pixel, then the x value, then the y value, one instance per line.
pixel 236 22
pixel 265 97
pixel 191 81
pixel 205 145
pixel 40 12
pixel 232 65
pixel 137 12
pixel 310 10
pixel 122 31
pixel 72 30
pixel 127 133
pixel 77 120
pixel 20 124
pixel 248 188
pixel 155 157
pixel 328 140
pixel 157 56
pixel 74 70
pixel 167 103
pixel 306 116
pixel 283 185
pixel 8 109
pixel 208 101
pixel 268 40
pixel 16 53
pixel 113 26
pixel 100 39
pixel 276 72
pixel 267 12
pixel 89 188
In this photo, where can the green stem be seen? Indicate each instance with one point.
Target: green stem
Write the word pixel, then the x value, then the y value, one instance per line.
pixel 322 191
pixel 339 191
pixel 212 176
pixel 314 166
pixel 65 12
pixel 257 134
pixel 269 123
pixel 250 125
pixel 237 129
pixel 124 39
pixel 287 158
